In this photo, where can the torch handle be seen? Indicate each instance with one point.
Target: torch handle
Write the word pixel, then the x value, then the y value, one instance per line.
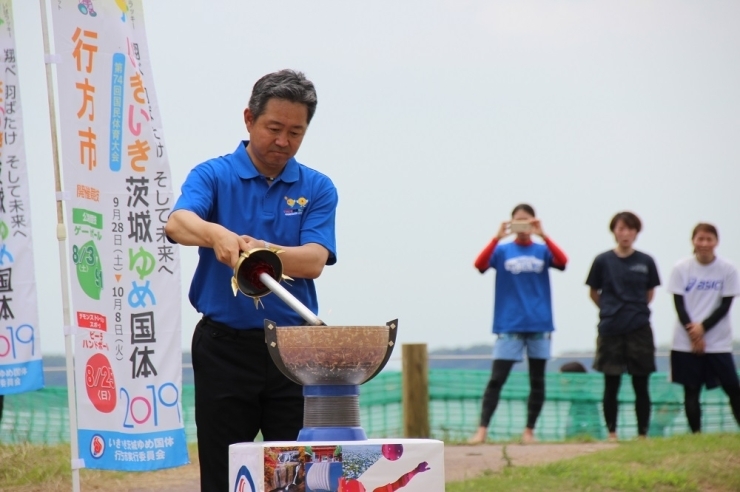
pixel 290 300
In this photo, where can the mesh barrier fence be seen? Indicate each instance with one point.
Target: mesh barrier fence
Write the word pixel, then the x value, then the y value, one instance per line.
pixel 572 408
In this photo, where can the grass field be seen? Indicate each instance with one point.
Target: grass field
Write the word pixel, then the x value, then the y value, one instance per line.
pixel 31 468
pixel 709 462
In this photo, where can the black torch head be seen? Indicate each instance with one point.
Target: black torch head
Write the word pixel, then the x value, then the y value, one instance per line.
pixel 251 265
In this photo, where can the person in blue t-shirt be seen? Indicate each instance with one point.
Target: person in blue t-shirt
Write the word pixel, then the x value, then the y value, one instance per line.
pixel 522 314
pixel 622 283
pixel 257 197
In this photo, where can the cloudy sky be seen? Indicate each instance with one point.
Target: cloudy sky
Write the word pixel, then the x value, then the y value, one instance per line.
pixel 435 118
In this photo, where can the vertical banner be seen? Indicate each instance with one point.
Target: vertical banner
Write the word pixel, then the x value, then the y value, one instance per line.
pixel 125 278
pixel 20 353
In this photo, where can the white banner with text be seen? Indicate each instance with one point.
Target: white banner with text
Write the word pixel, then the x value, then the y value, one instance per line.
pixel 21 368
pixel 125 279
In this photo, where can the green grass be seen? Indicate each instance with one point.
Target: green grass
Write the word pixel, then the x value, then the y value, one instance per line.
pixel 25 467
pixel 682 463
pixel 23 464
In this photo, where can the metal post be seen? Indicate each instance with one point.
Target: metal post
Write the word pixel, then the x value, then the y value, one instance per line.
pixel 62 238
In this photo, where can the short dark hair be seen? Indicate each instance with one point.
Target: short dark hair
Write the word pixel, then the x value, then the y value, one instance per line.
pixel 286 84
pixel 526 207
pixel 704 227
pixel 631 220
pixel 574 366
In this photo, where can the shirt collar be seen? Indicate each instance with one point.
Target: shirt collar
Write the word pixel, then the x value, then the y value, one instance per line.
pixel 246 170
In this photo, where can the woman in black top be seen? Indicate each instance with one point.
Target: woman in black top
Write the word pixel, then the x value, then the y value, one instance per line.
pixel 622 283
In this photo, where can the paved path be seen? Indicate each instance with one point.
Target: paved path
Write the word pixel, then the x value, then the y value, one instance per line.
pixel 465 462
pixel 461 463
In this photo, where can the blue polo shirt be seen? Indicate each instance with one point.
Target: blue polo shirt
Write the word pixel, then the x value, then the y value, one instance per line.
pixel 298 208
pixel 522 302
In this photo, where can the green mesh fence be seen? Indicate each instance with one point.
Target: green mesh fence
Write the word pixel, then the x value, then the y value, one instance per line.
pixel 42 417
pixel 572 409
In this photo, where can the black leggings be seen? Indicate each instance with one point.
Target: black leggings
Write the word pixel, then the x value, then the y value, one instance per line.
pixel 693 407
pixel 499 374
pixel 642 402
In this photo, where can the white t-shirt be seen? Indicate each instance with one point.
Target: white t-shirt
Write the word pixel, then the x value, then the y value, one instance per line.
pixel 702 288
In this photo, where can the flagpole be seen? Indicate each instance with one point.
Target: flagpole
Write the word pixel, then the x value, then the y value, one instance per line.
pixel 75 462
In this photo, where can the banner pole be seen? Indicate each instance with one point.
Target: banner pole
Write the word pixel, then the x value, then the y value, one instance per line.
pixel 62 239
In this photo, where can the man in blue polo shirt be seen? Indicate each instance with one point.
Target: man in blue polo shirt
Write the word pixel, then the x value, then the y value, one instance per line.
pixel 257 197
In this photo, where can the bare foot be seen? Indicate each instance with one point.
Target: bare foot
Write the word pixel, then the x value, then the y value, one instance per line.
pixel 612 437
pixel 528 436
pixel 479 437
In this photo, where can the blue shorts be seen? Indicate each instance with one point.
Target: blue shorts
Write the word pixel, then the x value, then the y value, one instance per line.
pixel 510 346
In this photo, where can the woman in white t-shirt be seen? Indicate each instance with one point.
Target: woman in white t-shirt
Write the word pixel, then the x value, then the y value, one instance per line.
pixel 703 287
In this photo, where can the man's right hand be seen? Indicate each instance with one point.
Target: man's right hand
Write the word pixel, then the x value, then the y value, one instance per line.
pixel 227 246
pixel 188 229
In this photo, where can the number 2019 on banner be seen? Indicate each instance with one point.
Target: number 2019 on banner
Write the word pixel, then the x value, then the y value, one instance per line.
pixel 140 409
pixel 16 339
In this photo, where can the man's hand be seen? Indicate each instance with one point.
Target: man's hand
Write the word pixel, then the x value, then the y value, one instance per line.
pixel 253 243
pixel 187 229
pixel 228 245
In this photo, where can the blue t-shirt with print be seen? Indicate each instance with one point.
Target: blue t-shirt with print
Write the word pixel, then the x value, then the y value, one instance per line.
pixel 298 208
pixel 522 300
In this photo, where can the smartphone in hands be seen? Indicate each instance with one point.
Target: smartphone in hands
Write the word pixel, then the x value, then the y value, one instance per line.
pixel 517 226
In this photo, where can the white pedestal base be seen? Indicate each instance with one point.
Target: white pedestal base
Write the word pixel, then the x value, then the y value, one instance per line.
pixel 324 466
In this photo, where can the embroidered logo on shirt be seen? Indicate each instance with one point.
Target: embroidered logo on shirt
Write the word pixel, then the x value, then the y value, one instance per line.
pixel 527 264
pixel 296 205
pixel 639 268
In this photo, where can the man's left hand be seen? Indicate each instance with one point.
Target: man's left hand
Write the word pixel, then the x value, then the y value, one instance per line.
pixel 253 243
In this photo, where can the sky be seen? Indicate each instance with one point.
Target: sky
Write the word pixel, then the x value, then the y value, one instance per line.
pixel 435 118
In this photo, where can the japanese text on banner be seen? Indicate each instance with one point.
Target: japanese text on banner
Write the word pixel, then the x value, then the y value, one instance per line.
pixel 126 279
pixel 20 354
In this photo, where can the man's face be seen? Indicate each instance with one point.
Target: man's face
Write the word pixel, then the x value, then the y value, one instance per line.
pixel 276 135
pixel 624 236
